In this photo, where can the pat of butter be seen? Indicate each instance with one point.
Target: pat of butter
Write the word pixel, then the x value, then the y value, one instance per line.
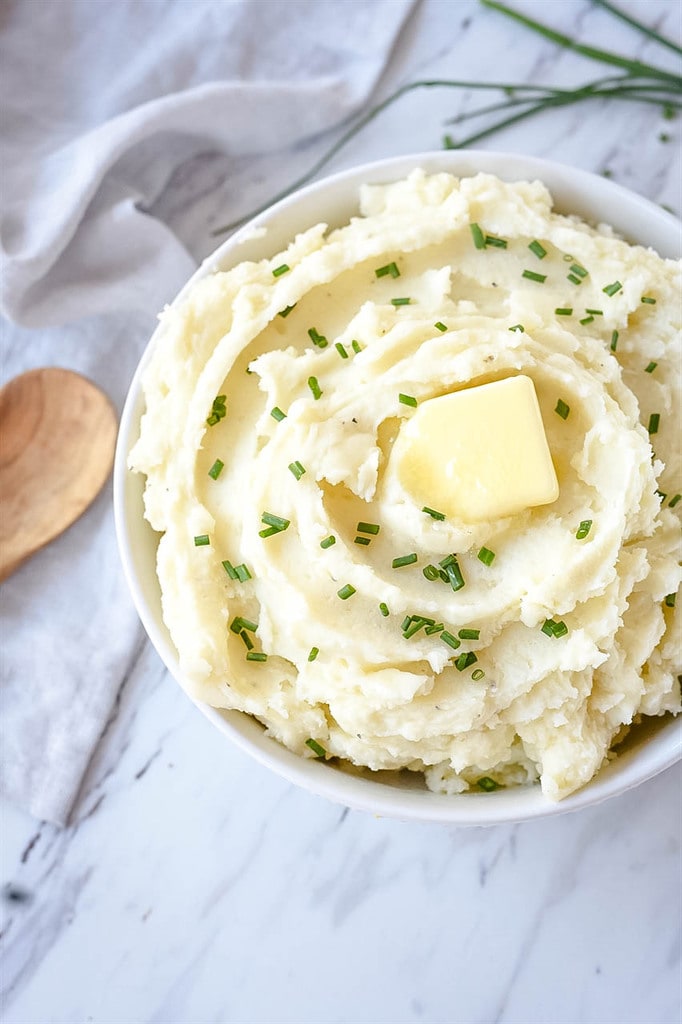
pixel 480 453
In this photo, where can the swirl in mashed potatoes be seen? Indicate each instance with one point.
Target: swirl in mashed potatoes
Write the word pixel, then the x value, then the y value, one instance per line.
pixel 331 647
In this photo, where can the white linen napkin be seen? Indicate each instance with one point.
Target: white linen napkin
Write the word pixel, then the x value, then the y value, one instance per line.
pixel 102 105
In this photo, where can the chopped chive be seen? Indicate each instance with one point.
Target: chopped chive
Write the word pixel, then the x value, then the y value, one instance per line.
pixel 595 312
pixel 346 591
pixel 431 573
pixel 284 313
pixel 242 572
pixel 278 271
pixel 383 608
pixel 239 623
pixel 562 409
pixel 651 367
pixel 614 341
pixel 440 326
pixel 317 339
pixel 230 569
pixel 452 641
pixel 453 572
pixel 404 301
pixel 363 540
pixel 437 627
pixel 356 346
pixel 297 469
pixel 530 275
pixel 564 311
pixel 372 528
pixel 408 400
pixel 518 327
pixel 497 243
pixel 402 560
pixel 649 300
pixel 478 236
pixel 269 531
pixel 277 414
pixel 469 634
pixel 486 783
pixel 248 642
pixel 611 289
pixel 341 349
pixel 328 541
pixel 554 629
pixel 315 388
pixel 443 575
pixel 316 748
pixel 583 529
pixel 256 656
pixel 654 421
pixel 587 320
pixel 216 469
pixel 202 540
pixel 415 625
pixel 218 410
pixel 314 651
pixel 579 271
pixel 440 516
pixel 537 249
pixel 674 501
pixel 464 660
pixel 486 556
pixel 670 600
pixel 406 622
pixel 573 279
pixel 477 674
pixel 391 269
pixel 276 522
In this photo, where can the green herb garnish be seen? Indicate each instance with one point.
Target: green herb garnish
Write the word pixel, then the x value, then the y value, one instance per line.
pixel 341 349
pixel 450 566
pixel 583 529
pixel 670 600
pixel 403 560
pixel 452 641
pixel 274 524
pixel 278 271
pixel 316 748
pixel 612 289
pixel 284 313
pixel 478 236
pixel 315 388
pixel 673 501
pixel 530 275
pixel 431 573
pixel 518 327
pixel 363 540
pixel 317 339
pixel 297 469
pixel 404 301
pixel 440 516
pixel 564 311
pixel 230 569
pixel 496 243
pixel 554 629
pixel 216 469
pixel 465 660
pixel 239 623
pixel 218 410
pixel 440 326
pixel 562 409
pixel 477 674
pixel 202 540
pixel 314 651
pixel 651 367
pixel 649 300
pixel 614 341
pixel 383 608
pixel 485 782
pixel 469 634
pixel 390 270
pixel 328 541
pixel 256 656
pixel 346 591
pixel 242 572
pixel 372 528
pixel 356 346
pixel 486 556
pixel 408 400
pixel 654 421
pixel 277 414
pixel 537 249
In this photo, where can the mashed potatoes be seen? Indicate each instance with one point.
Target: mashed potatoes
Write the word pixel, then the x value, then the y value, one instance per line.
pixel 304 585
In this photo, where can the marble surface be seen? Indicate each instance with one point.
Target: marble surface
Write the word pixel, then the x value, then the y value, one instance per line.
pixel 194 886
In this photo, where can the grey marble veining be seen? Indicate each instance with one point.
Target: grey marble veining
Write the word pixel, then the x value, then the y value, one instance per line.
pixel 194 886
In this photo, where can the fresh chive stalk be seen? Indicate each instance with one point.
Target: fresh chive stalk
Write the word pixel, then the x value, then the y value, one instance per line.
pixel 390 270
pixel 278 271
pixel 318 340
pixel 403 560
pixel 538 249
pixel 316 748
pixel 440 516
pixel 372 528
pixel 315 388
pixel 328 541
pixel 202 540
pixel 440 326
pixel 277 414
pixel 216 469
pixel 486 556
pixel 531 275
pixel 256 656
pixel 346 591
pixel 612 289
pixel 478 236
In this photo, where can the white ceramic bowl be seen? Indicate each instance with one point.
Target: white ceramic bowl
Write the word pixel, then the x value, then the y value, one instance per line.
pixel 649 750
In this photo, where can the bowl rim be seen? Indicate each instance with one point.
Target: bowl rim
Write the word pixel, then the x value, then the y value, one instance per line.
pixel 571 188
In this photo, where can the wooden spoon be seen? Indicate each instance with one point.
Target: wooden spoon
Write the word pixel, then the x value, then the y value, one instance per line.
pixel 57 438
